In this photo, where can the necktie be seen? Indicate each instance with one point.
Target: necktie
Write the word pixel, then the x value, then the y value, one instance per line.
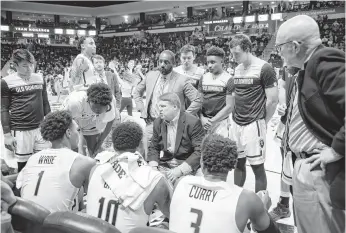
pixel 289 113
pixel 161 87
pixel 101 78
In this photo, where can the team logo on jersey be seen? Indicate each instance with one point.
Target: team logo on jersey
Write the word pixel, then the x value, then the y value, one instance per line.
pixel 261 142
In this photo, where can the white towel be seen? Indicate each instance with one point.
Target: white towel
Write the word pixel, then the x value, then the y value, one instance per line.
pixel 133 188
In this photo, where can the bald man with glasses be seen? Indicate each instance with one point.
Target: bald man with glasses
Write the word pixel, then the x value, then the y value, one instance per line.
pixel 315 131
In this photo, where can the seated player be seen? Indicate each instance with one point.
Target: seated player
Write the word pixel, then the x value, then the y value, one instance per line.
pixel 94 110
pixel 209 204
pixel 53 177
pixel 124 188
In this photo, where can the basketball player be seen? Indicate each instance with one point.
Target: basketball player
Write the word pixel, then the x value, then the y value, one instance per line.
pixel 216 87
pixel 24 103
pixel 53 177
pixel 187 68
pixel 82 70
pixel 94 110
pixel 209 204
pixel 256 97
pixel 127 187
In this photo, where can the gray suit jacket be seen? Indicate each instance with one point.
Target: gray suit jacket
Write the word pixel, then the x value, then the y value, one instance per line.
pixel 178 84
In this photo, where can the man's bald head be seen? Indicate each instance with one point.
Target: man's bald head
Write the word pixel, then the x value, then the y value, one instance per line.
pixel 170 54
pixel 301 28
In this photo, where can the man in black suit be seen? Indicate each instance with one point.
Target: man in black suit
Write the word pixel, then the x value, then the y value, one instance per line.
pixel 177 136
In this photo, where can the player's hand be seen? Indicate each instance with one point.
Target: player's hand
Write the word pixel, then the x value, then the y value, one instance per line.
pixel 10 142
pixel 264 196
pixel 4 167
pixel 281 109
pixel 206 122
pixel 323 158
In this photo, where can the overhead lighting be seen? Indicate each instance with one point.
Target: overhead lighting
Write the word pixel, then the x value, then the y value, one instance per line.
pixel 126 16
pixel 92 33
pixel 206 9
pixel 69 31
pixel 5 28
pixel 28 34
pixel 260 4
pixel 81 32
pixel 43 35
pixel 232 7
pixel 58 31
pixel 183 12
pixel 263 17
pixel 273 2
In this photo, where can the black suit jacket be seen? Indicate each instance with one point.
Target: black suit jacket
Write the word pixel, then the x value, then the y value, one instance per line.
pixel 321 98
pixel 189 137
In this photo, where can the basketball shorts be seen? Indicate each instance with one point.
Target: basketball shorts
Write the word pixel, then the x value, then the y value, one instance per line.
pixel 28 143
pixel 250 140
pixel 221 128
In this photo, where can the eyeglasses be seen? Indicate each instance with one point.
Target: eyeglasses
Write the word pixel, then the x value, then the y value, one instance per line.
pixel 278 47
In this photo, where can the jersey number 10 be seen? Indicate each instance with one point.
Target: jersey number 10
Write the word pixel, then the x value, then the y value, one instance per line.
pixel 111 203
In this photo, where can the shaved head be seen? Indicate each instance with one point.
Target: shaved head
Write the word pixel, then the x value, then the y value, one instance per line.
pixel 301 28
pixel 170 54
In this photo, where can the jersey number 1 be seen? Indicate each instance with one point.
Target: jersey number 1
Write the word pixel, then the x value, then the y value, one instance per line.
pixel 198 222
pixel 38 182
pixel 109 206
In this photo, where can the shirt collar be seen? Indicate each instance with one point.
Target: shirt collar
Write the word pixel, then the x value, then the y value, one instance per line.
pixel 168 76
pixel 174 121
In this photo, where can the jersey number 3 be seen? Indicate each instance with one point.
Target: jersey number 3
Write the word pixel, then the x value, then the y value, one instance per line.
pixel 38 182
pixel 111 203
pixel 197 224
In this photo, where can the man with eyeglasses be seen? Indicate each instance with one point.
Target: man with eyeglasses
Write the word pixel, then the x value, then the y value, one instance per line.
pixel 94 110
pixel 256 96
pixel 315 130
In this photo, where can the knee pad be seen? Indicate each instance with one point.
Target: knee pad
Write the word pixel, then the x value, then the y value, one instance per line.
pixel 27 216
pixel 69 222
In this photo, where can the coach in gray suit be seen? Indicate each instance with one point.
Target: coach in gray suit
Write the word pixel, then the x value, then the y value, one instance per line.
pixel 159 82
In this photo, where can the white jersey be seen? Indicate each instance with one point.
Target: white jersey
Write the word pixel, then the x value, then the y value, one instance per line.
pixel 103 204
pixel 46 180
pixel 89 76
pixel 199 205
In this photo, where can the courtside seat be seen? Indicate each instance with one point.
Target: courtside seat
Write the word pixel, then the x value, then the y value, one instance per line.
pixel 27 216
pixel 150 230
pixel 69 222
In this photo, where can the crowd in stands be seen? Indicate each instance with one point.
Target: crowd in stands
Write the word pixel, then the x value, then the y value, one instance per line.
pixel 145 48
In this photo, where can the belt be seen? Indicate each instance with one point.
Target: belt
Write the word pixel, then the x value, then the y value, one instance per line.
pixel 303 155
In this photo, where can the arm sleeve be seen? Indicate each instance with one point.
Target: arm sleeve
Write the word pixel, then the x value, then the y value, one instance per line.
pixel 46 106
pixel 230 86
pixel 5 106
pixel 268 76
pixel 330 74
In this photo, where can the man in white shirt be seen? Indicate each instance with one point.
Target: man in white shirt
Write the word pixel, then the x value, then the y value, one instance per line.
pixel 127 187
pixel 94 111
pixel 192 71
pixel 53 177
